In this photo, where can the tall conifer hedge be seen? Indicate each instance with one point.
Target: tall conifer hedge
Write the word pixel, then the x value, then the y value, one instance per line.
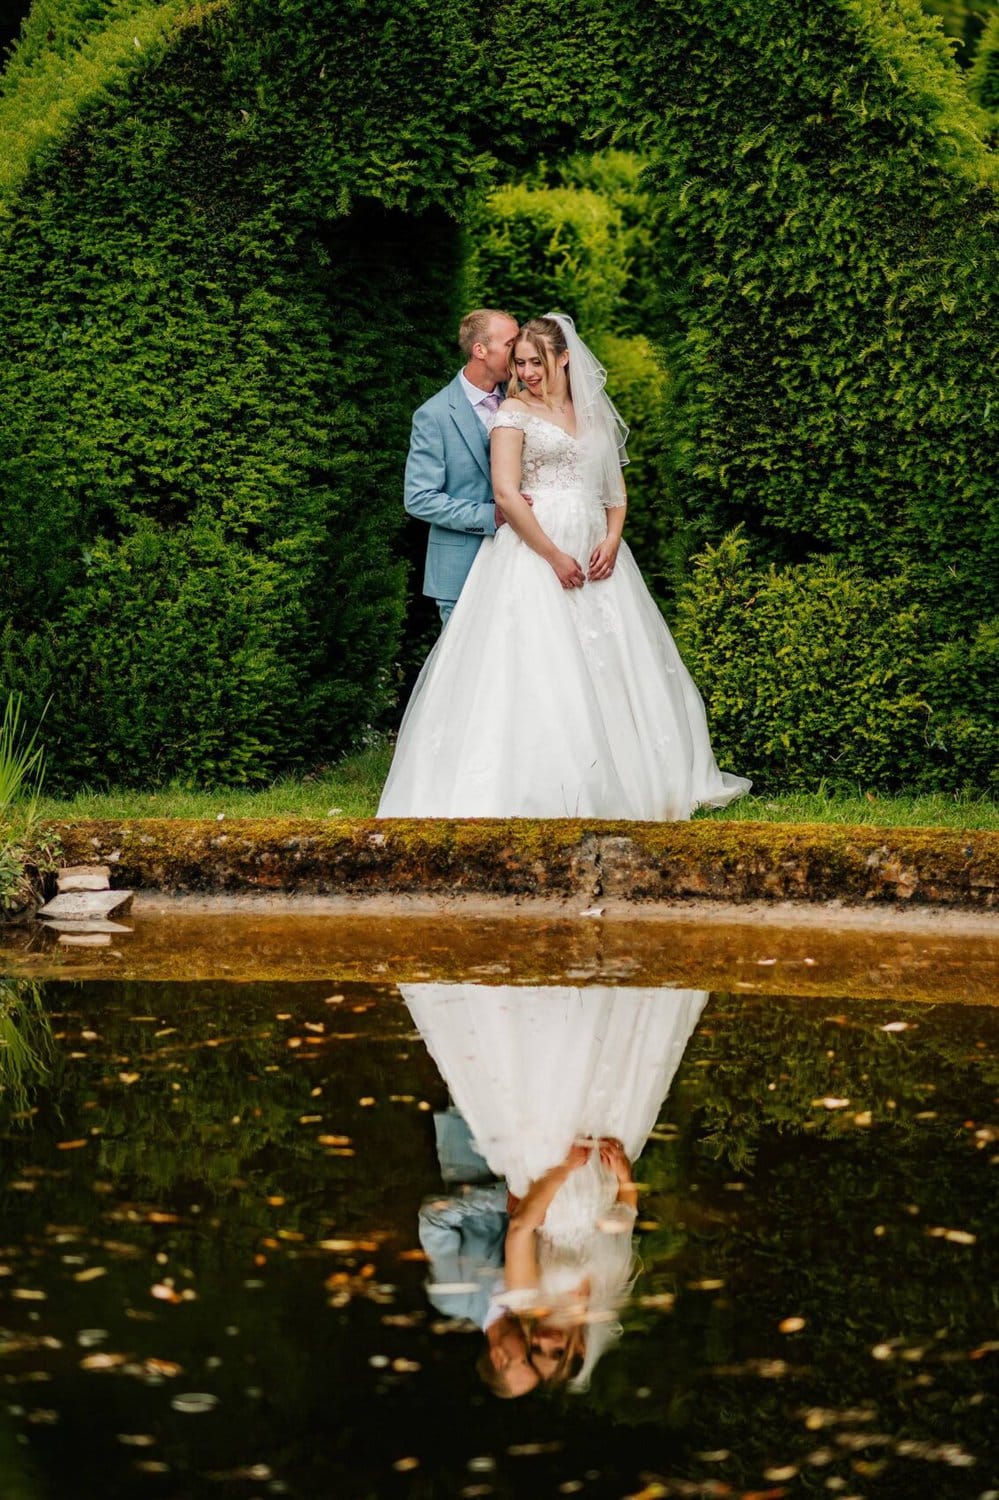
pixel 230 249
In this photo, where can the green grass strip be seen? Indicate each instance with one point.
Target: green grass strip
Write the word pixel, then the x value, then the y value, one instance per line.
pixel 352 788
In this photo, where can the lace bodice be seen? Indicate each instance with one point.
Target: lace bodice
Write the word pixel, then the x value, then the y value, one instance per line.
pixel 552 457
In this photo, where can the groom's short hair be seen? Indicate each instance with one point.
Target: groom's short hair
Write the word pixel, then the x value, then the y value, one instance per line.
pixel 475 327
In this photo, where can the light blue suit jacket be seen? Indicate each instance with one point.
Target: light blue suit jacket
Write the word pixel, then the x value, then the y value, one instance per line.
pixel 448 484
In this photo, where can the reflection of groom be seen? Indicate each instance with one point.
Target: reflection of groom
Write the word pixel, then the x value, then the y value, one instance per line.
pixel 447 472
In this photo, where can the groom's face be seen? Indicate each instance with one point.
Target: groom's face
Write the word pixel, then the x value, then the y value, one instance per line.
pixel 496 350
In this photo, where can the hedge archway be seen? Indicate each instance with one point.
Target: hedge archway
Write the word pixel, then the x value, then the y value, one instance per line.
pixel 231 254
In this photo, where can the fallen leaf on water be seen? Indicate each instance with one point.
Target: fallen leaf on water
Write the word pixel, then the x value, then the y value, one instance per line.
pixel 128 1078
pixel 136 1439
pixel 830 1102
pixel 895 1026
pixel 164 1292
pixel 167 1367
pixel 69 1145
pixel 194 1401
pixel 344 1245
pixel 710 1284
pixel 103 1361
pixel 28 1294
pixel 91 1273
pixel 333 1140
pixel 863 1118
pixel 404 1465
pixel 791 1325
pixel 781 1471
pixel 956 1236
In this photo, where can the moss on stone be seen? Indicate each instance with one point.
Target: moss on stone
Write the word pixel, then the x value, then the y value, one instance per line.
pixel 735 861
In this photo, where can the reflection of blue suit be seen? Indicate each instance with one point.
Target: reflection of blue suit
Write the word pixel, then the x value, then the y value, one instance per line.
pixel 448 484
pixel 464 1234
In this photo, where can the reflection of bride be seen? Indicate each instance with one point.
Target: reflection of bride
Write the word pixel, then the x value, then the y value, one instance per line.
pixel 560 1088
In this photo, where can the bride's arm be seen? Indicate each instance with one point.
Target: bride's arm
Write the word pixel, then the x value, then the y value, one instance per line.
pixel 506 448
pixel 604 556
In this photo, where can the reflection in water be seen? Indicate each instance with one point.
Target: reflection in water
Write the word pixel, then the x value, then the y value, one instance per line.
pixel 556 1091
pixel 25 1043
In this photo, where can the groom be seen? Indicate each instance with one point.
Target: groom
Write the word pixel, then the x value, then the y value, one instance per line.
pixel 447 472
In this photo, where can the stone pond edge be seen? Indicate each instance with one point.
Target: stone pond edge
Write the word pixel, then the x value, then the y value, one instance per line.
pixel 556 858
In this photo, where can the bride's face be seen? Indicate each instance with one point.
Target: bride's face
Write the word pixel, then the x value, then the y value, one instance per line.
pixel 533 367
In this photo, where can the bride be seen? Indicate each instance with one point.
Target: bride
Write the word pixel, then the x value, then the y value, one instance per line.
pixel 556 689
pixel 560 1088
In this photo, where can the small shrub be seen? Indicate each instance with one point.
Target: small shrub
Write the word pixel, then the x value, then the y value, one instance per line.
pixel 807 673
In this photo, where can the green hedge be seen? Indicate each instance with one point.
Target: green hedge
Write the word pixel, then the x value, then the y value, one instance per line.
pixel 983 80
pixel 807 673
pixel 209 388
pixel 833 232
pixel 230 271
pixel 532 250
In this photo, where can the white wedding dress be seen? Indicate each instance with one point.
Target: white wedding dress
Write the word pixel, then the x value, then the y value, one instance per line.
pixel 542 702
pixel 533 1069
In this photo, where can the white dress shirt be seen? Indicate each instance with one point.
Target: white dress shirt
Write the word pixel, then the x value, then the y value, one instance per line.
pixel 475 397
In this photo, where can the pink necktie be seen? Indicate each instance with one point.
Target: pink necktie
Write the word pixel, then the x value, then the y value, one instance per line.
pixel 490 403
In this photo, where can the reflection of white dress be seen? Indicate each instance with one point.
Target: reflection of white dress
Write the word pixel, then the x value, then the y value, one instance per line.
pixel 532 1069
pixel 543 702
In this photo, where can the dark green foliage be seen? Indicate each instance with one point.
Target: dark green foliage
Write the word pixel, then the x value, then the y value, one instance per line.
pixel 554 248
pixel 209 418
pixel 834 350
pixel 983 80
pixel 964 21
pixel 617 176
pixel 807 672
pixel 228 278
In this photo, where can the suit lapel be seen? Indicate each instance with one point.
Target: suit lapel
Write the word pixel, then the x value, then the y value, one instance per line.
pixel 468 424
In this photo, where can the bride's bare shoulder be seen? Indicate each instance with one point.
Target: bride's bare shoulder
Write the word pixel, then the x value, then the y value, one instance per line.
pixel 513 403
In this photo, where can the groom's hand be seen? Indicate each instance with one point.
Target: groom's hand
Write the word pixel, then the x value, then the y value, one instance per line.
pixel 501 518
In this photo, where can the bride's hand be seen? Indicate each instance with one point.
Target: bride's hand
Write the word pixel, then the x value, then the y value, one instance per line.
pixel 612 1155
pixel 567 571
pixel 577 1156
pixel 603 558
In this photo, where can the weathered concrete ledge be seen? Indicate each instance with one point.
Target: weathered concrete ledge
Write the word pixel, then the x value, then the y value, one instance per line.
pixel 561 858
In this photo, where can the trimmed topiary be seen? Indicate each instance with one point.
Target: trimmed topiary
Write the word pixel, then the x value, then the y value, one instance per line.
pixel 231 270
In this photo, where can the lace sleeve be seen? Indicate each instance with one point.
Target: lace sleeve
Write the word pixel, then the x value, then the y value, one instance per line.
pixel 510 418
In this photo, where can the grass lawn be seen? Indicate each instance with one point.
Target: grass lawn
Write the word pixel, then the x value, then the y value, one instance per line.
pixel 351 790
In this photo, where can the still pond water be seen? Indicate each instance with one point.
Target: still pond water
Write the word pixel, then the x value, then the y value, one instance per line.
pixel 251 1232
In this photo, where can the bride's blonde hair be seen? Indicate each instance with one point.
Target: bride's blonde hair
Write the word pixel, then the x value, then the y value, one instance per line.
pixel 547 339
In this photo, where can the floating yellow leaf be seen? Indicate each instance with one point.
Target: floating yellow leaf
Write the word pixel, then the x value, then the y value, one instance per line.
pixel 92 1273
pixel 103 1361
pixel 70 1145
pixel 791 1325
